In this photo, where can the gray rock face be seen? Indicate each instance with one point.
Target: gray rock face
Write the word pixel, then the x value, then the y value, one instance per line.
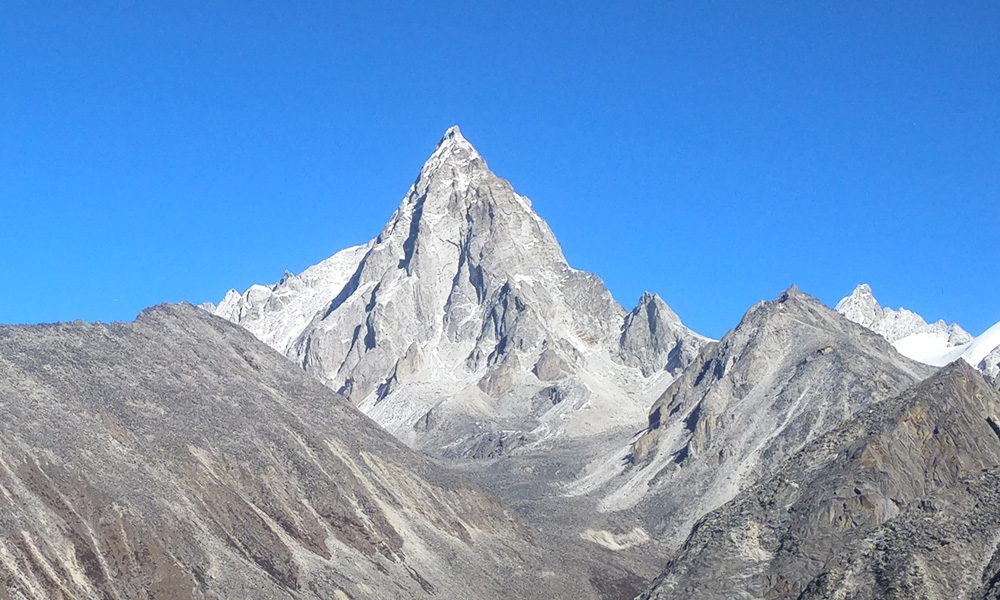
pixel 180 457
pixel 654 339
pixel 462 319
pixel 901 502
pixel 788 373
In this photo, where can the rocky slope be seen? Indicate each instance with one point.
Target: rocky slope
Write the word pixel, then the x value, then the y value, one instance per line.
pixel 462 329
pixel 788 373
pixel 180 457
pixel 901 502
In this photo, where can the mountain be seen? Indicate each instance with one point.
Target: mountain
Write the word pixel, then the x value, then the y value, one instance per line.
pixel 936 344
pixel 895 325
pixel 462 329
pixel 653 338
pixel 901 502
pixel 180 457
pixel 789 372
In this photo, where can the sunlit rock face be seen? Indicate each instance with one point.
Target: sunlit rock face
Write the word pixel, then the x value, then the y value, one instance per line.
pixel 894 325
pixel 462 322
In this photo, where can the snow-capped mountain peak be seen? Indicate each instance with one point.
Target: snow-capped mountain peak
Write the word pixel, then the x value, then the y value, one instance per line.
pixel 936 344
pixel 862 308
pixel 454 162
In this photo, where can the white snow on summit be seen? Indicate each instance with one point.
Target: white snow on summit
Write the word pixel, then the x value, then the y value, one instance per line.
pixel 936 344
pixel 974 352
pixel 894 325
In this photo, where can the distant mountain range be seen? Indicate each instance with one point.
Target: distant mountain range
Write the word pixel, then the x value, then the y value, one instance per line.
pixel 452 411
pixel 935 344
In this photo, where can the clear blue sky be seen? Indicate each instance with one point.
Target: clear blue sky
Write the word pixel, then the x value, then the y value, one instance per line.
pixel 713 152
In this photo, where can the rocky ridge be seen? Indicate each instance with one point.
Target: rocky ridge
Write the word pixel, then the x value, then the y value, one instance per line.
pixel 901 502
pixel 788 373
pixel 180 457
pixel 894 325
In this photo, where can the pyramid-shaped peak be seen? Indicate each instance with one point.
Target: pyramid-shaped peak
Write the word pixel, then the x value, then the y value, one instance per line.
pixel 453 134
pixel 453 148
pixel 862 293
pixel 790 301
pixel 651 301
pixel 792 293
pixel 654 339
pixel 861 306
pixel 455 176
